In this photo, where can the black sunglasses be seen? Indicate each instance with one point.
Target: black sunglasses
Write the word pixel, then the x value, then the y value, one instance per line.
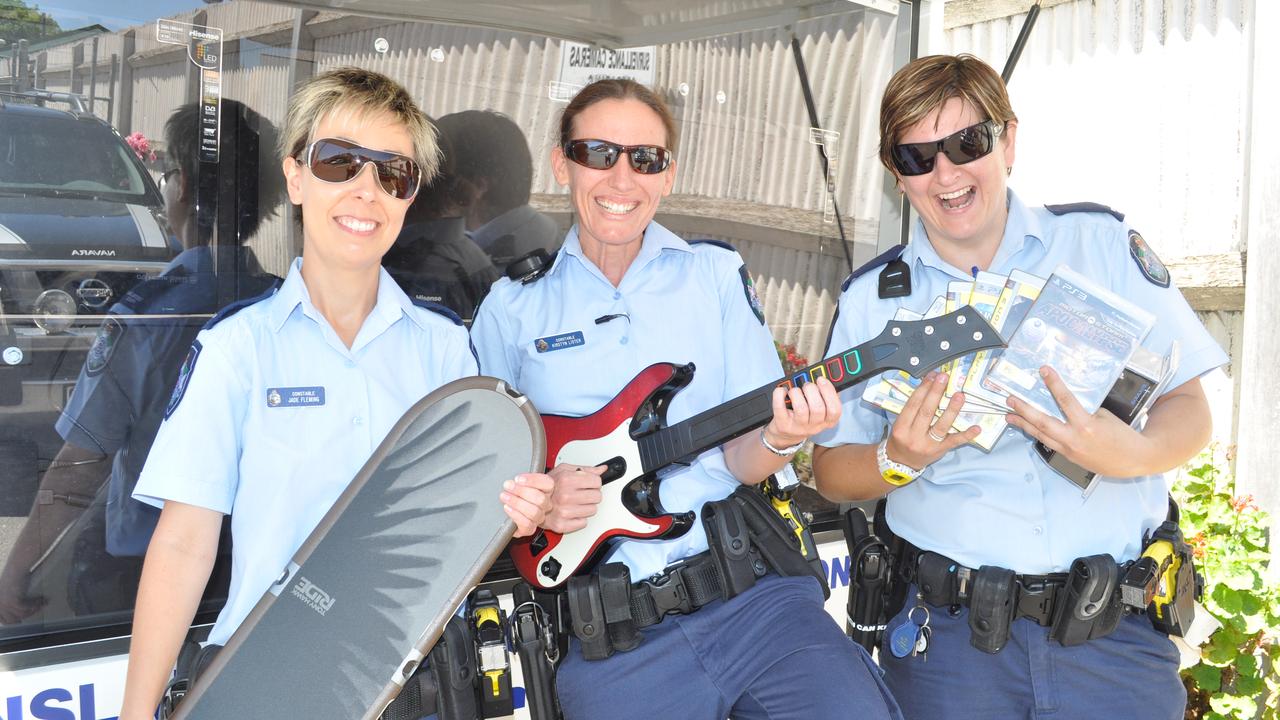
pixel 338 161
pixel 602 154
pixel 960 147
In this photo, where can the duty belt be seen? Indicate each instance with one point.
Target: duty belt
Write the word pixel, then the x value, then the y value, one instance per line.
pixel 951 585
pixel 681 588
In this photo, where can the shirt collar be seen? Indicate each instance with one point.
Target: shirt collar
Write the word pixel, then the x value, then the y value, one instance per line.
pixel 656 240
pixel 1021 226
pixel 391 304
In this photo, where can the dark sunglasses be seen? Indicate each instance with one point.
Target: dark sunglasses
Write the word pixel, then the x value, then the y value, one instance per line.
pixel 338 161
pixel 602 154
pixel 960 147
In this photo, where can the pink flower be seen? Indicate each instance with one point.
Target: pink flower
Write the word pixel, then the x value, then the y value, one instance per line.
pixel 141 146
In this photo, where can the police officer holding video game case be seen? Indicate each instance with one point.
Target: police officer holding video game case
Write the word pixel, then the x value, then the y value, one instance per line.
pixel 990 538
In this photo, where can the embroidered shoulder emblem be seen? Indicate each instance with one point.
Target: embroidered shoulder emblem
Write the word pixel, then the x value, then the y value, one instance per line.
pixel 1148 263
pixel 749 288
pixel 184 377
pixel 104 345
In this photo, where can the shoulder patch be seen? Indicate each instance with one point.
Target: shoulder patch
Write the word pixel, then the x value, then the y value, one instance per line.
pixel 437 308
pixel 717 243
pixel 1152 269
pixel 184 377
pixel 749 289
pixel 235 307
pixel 1084 207
pixel 104 344
pixel 883 258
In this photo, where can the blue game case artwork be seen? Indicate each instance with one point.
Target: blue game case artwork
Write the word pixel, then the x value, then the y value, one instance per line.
pixel 1080 329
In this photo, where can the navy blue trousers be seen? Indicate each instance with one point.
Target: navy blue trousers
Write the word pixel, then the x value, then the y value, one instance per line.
pixel 770 653
pixel 1132 674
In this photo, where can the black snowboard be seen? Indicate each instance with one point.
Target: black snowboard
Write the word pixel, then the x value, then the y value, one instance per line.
pixel 369 592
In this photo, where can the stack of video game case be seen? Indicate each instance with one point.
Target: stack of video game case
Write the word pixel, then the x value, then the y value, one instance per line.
pixel 1083 331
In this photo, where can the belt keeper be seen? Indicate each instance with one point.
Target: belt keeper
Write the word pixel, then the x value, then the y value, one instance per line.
pixel 615 595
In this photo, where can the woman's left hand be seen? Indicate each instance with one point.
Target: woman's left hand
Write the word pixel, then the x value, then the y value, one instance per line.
pixel 1100 442
pixel 527 500
pixel 815 407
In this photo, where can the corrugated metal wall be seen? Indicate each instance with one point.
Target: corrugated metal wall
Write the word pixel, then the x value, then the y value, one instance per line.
pixel 1135 103
pixel 1140 105
pixel 745 134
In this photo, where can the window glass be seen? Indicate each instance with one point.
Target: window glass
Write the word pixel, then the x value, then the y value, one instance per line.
pixel 141 194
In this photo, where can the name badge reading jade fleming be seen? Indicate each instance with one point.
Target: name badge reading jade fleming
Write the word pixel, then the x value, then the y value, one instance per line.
pixel 559 342
pixel 293 397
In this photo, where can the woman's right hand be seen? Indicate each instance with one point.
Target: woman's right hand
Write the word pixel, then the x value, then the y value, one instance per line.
pixel 575 498
pixel 920 438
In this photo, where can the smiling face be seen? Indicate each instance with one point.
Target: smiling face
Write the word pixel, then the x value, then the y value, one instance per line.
pixel 350 226
pixel 963 207
pixel 614 206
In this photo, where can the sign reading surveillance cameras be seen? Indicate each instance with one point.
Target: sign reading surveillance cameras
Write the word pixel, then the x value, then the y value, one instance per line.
pixel 581 65
pixel 204 50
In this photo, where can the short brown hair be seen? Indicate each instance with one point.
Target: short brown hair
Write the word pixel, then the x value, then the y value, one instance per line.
pixel 616 89
pixel 925 84
pixel 364 92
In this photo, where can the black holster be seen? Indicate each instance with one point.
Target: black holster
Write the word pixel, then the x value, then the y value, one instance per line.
pixel 878 582
pixel 770 543
pixel 991 607
pixel 444 685
pixel 600 609
pixel 1089 607
pixel 192 662
pixel 534 632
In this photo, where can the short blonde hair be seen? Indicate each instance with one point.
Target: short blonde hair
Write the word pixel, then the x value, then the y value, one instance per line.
pixel 364 92
pixel 925 84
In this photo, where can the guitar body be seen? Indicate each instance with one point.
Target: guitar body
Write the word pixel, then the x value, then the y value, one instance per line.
pixel 630 506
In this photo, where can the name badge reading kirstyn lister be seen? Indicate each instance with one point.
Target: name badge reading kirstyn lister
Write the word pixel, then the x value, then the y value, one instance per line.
pixel 295 397
pixel 559 342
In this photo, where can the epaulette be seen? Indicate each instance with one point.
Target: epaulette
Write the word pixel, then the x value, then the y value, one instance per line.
pixel 235 307
pixel 1084 207
pixel 883 258
pixel 717 243
pixel 437 308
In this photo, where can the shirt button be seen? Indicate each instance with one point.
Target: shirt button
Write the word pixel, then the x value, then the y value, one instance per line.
pixel 1029 477
pixel 617 295
pixel 351 363
pixel 623 341
pixel 1037 530
pixel 357 420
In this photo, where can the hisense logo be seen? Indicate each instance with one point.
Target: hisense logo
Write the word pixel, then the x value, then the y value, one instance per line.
pixel 93 253
pixel 308 592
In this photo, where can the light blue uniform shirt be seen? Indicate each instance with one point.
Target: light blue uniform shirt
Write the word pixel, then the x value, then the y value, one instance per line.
pixel 678 303
pixel 277 415
pixel 1008 508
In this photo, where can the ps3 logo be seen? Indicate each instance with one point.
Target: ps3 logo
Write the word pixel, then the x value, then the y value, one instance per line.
pixel 312 595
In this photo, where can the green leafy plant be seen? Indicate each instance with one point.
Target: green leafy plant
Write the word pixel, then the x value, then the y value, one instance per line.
pixel 1236 677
